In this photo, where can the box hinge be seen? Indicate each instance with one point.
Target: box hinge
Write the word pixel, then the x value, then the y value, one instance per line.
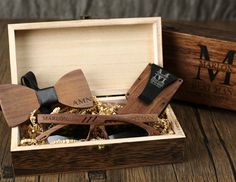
pixel 97 176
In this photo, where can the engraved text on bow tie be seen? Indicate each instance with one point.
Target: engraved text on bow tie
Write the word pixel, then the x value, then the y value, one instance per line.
pixel 84 100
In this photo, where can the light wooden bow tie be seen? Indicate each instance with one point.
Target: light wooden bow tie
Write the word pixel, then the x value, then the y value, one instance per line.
pixel 17 102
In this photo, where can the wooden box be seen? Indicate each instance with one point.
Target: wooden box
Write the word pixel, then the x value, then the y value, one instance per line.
pixel 112 54
pixel 206 61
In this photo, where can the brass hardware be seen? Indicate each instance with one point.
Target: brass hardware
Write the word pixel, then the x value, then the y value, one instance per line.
pixel 97 175
pixel 101 147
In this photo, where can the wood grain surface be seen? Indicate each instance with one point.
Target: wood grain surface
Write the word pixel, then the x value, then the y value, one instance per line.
pixel 89 158
pixel 205 59
pixel 209 152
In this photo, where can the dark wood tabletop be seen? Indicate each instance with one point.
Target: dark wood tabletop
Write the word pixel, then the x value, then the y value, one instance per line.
pixel 210 151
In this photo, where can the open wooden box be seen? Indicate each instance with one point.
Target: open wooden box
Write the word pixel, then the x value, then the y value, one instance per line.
pixel 112 54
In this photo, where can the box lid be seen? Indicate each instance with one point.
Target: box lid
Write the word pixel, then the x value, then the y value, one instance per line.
pixel 112 53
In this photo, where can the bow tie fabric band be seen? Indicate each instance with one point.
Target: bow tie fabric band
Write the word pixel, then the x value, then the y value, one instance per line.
pixel 45 96
pixel 17 102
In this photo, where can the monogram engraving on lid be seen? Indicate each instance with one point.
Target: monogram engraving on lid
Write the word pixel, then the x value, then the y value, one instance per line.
pixel 214 77
pixel 215 67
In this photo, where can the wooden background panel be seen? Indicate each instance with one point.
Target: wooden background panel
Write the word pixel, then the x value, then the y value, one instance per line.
pixel 213 142
pixel 147 173
pixel 5 159
pixel 224 122
pixel 73 177
pixel 197 165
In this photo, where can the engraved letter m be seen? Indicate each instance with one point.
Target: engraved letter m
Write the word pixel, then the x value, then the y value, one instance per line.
pixel 229 58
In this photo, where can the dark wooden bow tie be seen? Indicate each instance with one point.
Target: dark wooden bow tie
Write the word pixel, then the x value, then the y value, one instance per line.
pixel 17 102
